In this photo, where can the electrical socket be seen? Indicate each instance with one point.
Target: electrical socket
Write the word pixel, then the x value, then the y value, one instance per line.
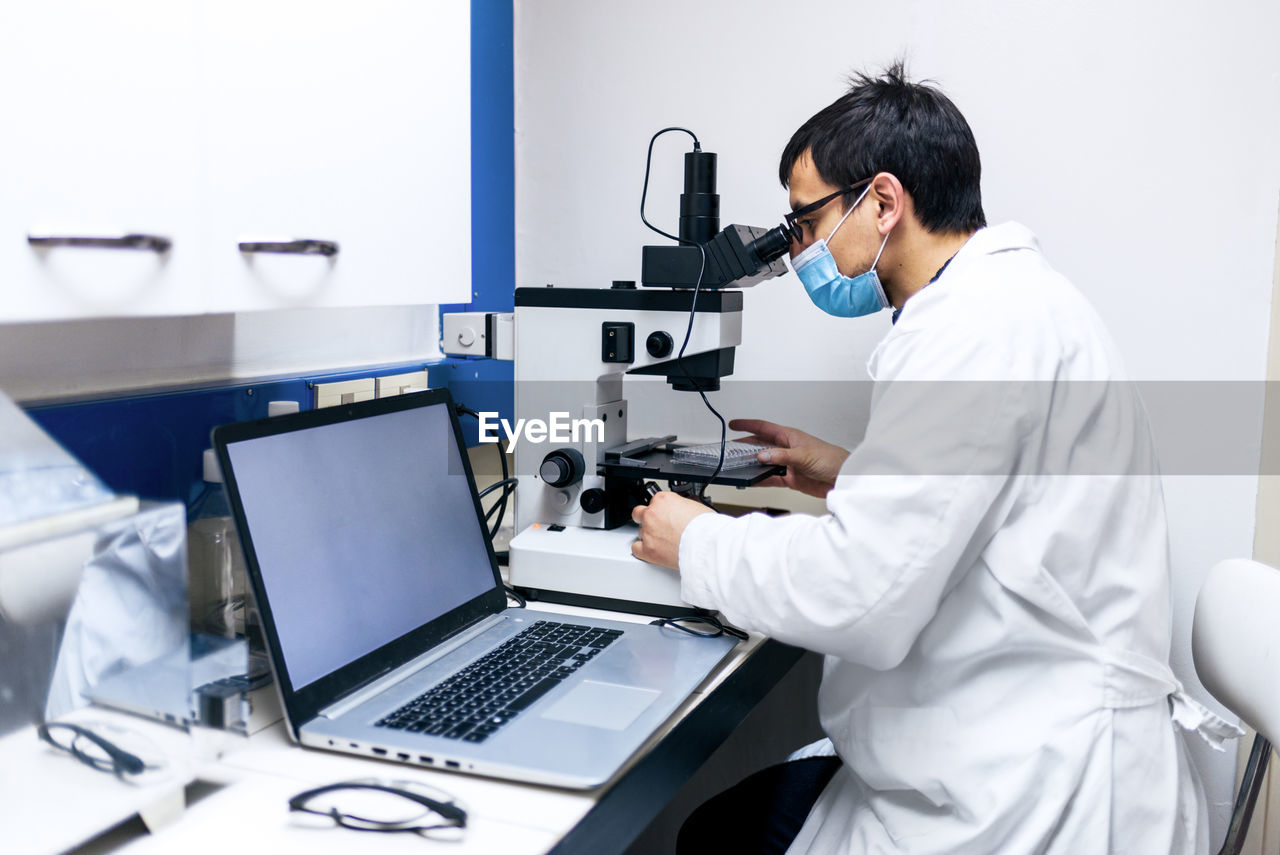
pixel 400 384
pixel 344 392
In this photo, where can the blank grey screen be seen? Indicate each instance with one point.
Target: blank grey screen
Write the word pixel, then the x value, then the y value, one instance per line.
pixel 363 530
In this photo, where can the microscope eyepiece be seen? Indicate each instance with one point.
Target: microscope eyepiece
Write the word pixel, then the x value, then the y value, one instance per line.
pixel 771 245
pixel 707 256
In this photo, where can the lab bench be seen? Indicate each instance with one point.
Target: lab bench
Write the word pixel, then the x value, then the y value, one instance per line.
pixel 757 706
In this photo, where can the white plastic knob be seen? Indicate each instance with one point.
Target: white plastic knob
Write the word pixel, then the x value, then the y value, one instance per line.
pixel 212 471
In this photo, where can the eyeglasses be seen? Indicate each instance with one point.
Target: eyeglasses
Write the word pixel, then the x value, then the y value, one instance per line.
pixel 92 749
pixel 384 806
pixel 791 222
pixel 704 626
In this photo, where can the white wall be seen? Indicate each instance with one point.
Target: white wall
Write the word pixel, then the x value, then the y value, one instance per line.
pixel 1138 139
pixel 50 360
pixel 1266 545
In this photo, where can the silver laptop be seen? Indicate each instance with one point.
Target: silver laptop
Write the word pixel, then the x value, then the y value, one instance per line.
pixel 385 617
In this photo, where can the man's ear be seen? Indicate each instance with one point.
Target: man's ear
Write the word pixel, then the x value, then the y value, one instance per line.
pixel 890 201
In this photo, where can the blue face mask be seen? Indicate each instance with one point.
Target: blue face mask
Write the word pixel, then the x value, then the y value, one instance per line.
pixel 830 290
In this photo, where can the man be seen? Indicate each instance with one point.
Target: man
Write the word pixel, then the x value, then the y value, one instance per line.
pixel 990 585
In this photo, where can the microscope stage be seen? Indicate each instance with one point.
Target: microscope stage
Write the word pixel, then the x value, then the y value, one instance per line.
pixel 658 465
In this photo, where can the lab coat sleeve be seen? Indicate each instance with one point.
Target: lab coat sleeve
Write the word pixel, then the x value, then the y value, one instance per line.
pixel 914 505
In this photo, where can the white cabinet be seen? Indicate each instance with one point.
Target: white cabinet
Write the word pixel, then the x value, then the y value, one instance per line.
pixel 99 124
pixel 222 124
pixel 345 122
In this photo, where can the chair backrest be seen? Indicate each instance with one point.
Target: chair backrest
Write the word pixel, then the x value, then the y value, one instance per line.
pixel 1235 641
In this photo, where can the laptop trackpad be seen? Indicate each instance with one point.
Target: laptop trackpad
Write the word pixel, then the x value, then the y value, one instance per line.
pixel 606 705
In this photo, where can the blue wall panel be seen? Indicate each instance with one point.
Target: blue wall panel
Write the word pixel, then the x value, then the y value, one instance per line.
pixel 152 445
pixel 493 160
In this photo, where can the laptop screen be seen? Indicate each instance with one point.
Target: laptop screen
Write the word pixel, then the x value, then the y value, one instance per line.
pixel 363 530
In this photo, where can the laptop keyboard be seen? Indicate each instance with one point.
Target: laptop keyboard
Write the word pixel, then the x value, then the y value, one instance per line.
pixel 478 700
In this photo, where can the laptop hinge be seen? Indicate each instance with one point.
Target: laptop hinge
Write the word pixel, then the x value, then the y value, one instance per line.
pixel 364 693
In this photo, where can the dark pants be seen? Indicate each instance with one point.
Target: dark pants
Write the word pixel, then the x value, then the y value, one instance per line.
pixel 762 814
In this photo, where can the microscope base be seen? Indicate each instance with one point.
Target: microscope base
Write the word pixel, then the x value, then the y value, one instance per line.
pixel 594 568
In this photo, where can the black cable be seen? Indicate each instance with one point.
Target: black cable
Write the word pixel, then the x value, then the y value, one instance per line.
pixel 693 310
pixel 505 482
pixel 501 504
pixel 697 146
pixel 508 486
pixel 498 507
pixel 513 594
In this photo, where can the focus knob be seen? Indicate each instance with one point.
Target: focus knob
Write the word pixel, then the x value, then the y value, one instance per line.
pixel 592 501
pixel 659 344
pixel 562 467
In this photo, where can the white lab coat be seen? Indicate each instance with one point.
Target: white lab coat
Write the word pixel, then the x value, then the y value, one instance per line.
pixel 990 587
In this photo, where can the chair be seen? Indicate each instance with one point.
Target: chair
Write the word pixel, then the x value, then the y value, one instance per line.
pixel 1235 643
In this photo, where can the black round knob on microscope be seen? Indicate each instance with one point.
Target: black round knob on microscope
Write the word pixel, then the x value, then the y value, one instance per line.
pixel 659 344
pixel 562 467
pixel 592 501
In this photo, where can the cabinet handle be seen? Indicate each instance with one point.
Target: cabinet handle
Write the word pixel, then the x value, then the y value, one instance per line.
pixel 296 246
pixel 153 243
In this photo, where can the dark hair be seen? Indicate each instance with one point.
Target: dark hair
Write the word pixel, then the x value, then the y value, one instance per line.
pixel 889 124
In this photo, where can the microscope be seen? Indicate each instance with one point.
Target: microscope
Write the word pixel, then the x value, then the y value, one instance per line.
pixel 573 348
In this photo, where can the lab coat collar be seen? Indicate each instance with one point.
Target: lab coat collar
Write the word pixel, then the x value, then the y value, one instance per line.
pixel 989 240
